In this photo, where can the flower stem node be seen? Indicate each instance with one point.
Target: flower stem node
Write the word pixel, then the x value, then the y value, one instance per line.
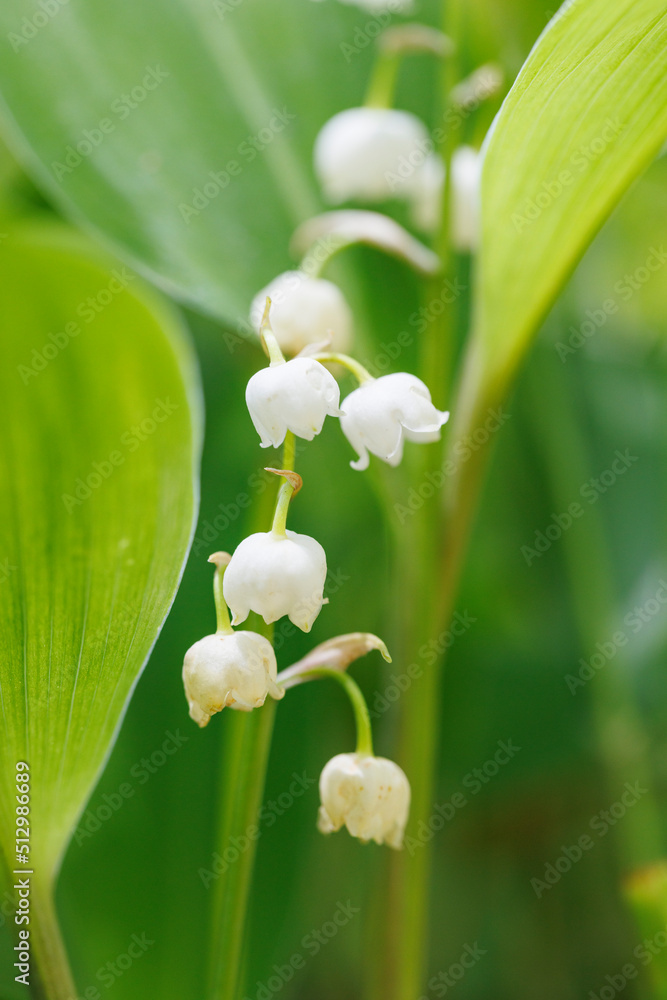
pixel 305 310
pixel 382 413
pixel 276 574
pixel 229 670
pixel 294 395
pixel 369 795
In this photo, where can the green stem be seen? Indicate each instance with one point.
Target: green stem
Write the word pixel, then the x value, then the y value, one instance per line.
pixel 268 337
pixel 382 84
pixel 360 373
pixel 393 45
pixel 245 756
pixel 431 559
pixel 221 561
pixel 246 746
pixel 357 700
pixel 287 490
pixel 50 975
pixel 53 979
pixel 289 452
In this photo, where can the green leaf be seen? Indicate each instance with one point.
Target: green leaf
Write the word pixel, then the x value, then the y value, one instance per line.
pixel 98 454
pixel 586 115
pixel 194 123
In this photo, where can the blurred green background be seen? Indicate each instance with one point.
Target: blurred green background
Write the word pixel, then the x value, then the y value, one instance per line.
pixel 138 873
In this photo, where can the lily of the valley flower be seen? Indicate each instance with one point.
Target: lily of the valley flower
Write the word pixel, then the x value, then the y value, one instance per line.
pixel 304 310
pixel 371 154
pixel 293 395
pixel 277 574
pixel 383 412
pixel 229 669
pixel 369 795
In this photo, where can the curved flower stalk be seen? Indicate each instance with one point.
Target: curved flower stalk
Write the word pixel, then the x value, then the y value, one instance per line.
pixel 368 795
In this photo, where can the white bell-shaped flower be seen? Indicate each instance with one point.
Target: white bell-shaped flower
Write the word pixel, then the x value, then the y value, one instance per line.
pixel 371 154
pixel 276 575
pixel 294 396
pixel 369 795
pixel 383 412
pixel 229 669
pixel 304 311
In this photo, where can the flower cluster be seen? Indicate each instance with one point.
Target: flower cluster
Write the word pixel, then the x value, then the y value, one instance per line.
pixel 368 154
pixel 378 417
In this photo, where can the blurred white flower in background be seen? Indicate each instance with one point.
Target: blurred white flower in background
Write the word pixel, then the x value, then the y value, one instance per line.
pixel 465 194
pixel 304 311
pixel 466 197
pixel 371 154
pixel 426 206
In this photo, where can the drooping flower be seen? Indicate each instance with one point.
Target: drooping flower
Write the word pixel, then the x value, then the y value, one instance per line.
pixel 383 412
pixel 229 669
pixel 371 154
pixel 369 795
pixel 304 310
pixel 276 575
pixel 293 395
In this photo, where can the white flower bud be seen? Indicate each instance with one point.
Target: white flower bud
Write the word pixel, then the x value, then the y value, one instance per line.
pixel 293 396
pixel 304 311
pixel 380 414
pixel 367 154
pixel 229 669
pixel 369 795
pixel 277 575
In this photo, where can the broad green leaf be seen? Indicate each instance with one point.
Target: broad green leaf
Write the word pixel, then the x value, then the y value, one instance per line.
pixel 99 442
pixel 183 129
pixel 586 115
